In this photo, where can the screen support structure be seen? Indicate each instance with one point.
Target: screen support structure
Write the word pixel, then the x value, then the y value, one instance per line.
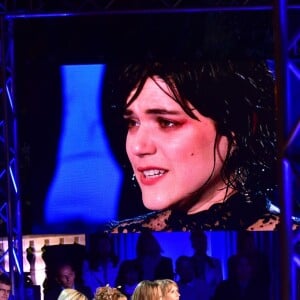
pixel 10 204
pixel 10 212
pixel 281 99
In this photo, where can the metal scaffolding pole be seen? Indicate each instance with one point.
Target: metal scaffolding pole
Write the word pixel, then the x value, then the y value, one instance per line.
pixel 285 189
pixel 11 214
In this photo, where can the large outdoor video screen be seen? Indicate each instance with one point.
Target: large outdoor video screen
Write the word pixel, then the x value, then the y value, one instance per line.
pixel 72 179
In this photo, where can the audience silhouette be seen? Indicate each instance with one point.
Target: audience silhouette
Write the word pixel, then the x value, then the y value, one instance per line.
pixel 129 275
pixel 206 267
pixel 190 287
pixel 198 276
pixel 101 265
pixel 246 246
pixel 242 284
pixel 149 262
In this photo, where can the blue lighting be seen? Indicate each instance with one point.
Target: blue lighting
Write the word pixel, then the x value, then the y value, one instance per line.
pixel 85 187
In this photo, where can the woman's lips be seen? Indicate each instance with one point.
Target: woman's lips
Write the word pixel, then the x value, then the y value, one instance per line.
pixel 151 175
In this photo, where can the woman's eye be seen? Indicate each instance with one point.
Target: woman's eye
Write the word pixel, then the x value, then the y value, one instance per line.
pixel 164 123
pixel 131 123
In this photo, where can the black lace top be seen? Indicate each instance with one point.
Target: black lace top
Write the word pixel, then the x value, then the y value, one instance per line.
pixel 233 214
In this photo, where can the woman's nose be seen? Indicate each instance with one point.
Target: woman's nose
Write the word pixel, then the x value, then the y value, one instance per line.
pixel 141 142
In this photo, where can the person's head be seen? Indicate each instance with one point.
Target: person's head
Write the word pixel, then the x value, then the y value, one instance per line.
pixel 71 294
pixel 101 249
pixel 147 245
pixel 5 286
pixel 109 293
pixel 147 290
pixel 198 131
pixel 241 269
pixel 246 242
pixel 118 296
pixel 199 242
pixel 184 268
pixel 65 275
pixel 169 289
pixel 102 244
pixel 130 273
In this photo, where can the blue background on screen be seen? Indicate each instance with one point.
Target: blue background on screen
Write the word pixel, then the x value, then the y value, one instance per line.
pixel 87 180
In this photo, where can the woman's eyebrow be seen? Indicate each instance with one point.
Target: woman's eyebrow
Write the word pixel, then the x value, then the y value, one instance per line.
pixel 154 111
pixel 162 111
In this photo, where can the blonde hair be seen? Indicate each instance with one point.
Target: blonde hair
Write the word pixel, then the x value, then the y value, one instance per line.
pixel 166 285
pixel 119 296
pixel 71 294
pixel 108 293
pixel 147 290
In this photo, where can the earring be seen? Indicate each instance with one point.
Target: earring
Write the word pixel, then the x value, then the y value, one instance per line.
pixel 133 179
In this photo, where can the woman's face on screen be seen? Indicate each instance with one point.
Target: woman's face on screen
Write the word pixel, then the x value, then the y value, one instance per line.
pixel 172 155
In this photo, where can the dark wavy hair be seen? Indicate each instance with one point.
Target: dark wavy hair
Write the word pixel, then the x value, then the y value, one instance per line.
pixel 237 95
pixel 5 279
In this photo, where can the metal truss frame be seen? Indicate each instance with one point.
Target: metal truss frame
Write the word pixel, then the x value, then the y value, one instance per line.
pixel 281 58
pixel 10 202
pixel 10 210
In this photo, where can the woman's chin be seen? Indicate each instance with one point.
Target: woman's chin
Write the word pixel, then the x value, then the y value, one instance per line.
pixel 156 204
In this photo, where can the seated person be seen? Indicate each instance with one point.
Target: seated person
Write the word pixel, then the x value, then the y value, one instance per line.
pixel 129 275
pixel 109 293
pixel 5 286
pixel 149 264
pixel 65 278
pixel 169 289
pixel 190 287
pixel 101 264
pixel 149 256
pixel 67 294
pixel 242 282
pixel 147 290
pixel 206 267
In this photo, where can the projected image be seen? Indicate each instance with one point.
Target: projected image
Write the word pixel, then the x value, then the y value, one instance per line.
pixel 166 146
pixel 159 146
pixel 201 140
